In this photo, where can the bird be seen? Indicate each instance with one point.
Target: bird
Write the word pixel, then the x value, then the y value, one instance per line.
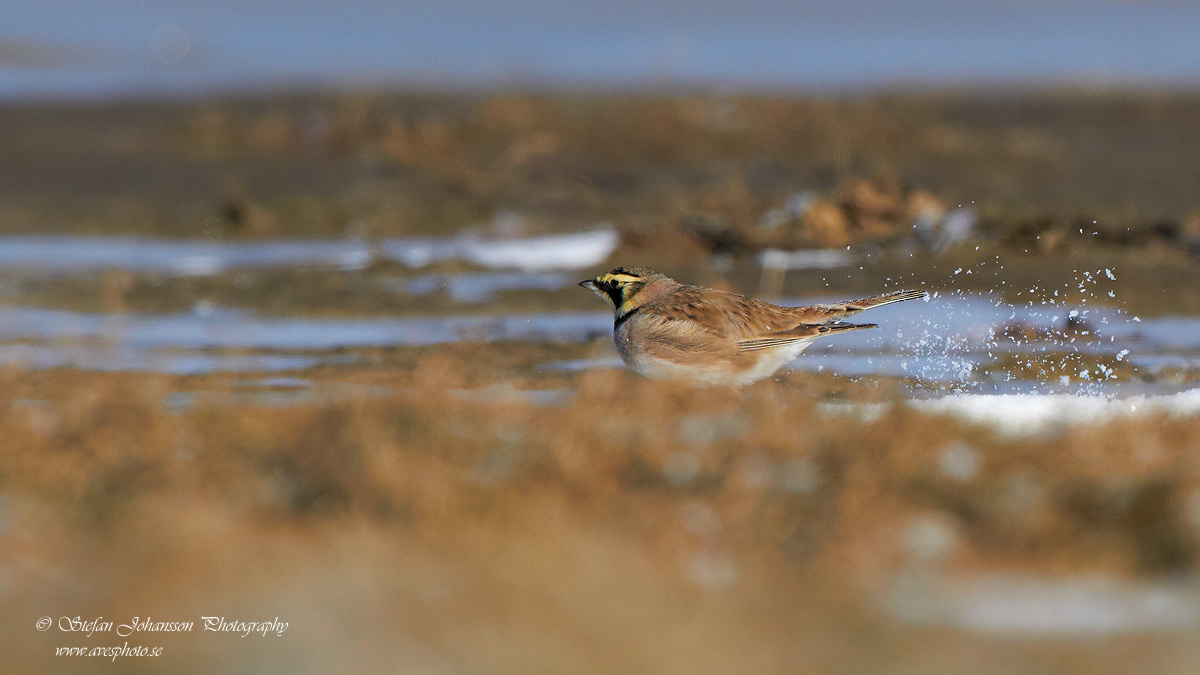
pixel 667 330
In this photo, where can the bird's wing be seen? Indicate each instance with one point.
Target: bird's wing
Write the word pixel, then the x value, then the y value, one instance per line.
pixel 722 315
pixel 700 319
pixel 805 331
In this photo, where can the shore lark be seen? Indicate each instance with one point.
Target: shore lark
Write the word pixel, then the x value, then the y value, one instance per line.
pixel 667 330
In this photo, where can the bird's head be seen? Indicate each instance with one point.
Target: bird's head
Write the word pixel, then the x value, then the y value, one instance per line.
pixel 622 286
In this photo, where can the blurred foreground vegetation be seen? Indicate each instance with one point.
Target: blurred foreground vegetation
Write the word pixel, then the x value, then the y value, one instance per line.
pixel 447 526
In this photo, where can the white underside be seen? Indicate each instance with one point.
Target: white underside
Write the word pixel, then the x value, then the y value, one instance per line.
pixel 769 361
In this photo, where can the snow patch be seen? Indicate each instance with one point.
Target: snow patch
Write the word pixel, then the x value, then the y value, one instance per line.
pixel 74 254
pixel 809 259
pixel 1044 606
pixel 531 254
pixel 1033 414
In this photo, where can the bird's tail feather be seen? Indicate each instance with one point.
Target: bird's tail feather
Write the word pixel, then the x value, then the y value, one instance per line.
pixel 881 300
pixel 836 311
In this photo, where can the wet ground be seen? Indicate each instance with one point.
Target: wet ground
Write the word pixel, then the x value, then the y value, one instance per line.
pixel 131 304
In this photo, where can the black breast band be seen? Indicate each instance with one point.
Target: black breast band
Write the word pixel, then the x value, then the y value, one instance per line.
pixel 625 317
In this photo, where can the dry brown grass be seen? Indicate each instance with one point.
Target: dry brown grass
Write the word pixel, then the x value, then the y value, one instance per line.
pixel 642 527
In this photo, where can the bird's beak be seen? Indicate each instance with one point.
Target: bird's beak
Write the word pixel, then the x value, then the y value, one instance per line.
pixel 589 284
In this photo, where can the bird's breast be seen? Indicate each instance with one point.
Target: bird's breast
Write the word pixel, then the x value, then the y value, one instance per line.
pixel 623 337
